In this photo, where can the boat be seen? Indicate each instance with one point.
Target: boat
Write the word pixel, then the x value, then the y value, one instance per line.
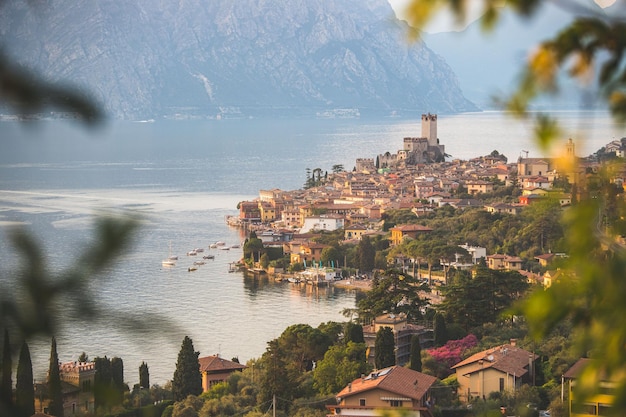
pixel 224 248
pixel 192 253
pixel 199 250
pixel 208 257
pixel 199 262
pixel 235 246
pixel 293 280
pixel 220 243
pixel 171 260
pixel 192 268
pixel 213 245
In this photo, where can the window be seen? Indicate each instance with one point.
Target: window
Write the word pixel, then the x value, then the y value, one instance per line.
pixel 362 402
pixel 501 384
pixel 395 403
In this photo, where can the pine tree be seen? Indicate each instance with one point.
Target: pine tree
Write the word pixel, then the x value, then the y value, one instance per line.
pixel 54 383
pixel 416 354
pixel 6 383
pixel 187 379
pixel 354 333
pixel 144 376
pixel 384 348
pixel 24 388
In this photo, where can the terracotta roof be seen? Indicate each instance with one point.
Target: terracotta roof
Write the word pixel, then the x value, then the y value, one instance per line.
pixel 412 228
pixel 217 364
pixel 572 373
pixel 506 358
pixel 396 379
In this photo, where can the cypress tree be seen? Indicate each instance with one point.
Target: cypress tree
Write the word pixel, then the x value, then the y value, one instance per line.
pixel 187 379
pixel 24 388
pixel 384 348
pixel 102 383
pixel 117 379
pixel 416 354
pixel 440 330
pixel 54 383
pixel 6 383
pixel 144 376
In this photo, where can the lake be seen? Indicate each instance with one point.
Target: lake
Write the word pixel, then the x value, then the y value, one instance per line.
pixel 183 178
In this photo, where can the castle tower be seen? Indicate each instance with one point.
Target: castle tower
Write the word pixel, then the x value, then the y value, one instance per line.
pixel 429 128
pixel 570 149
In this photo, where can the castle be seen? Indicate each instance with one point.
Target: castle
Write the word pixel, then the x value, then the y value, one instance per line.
pixel 416 150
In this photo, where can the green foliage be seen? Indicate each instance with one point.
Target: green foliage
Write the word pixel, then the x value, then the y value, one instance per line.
pixel 187 378
pixel 354 333
pixel 483 298
pixel 24 388
pixel 366 254
pixel 252 248
pixel 384 348
pixel 394 292
pixel 440 330
pixel 6 382
pixel 54 383
pixel 144 375
pixel 415 361
pixel 341 364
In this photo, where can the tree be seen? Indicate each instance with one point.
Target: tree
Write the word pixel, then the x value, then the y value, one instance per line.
pixel 337 168
pixel 590 50
pixel 415 362
pixel 24 387
pixel 54 383
pixel 394 292
pixel 83 357
pixel 341 365
pixel 187 379
pixel 366 254
pixel 384 348
pixel 144 376
pixel 330 255
pixel 354 333
pixel 117 379
pixel 440 332
pixel 6 383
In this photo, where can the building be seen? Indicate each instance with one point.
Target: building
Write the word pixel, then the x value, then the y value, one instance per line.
pixel 504 262
pixel 398 233
pixel 77 382
pixel 599 404
pixel 393 388
pixel 215 369
pixel 402 332
pixel 502 368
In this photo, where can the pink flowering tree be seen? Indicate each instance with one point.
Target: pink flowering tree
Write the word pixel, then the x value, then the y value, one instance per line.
pixel 450 354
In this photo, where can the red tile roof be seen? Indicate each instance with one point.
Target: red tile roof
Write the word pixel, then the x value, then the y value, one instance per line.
pixel 396 380
pixel 212 364
pixel 507 358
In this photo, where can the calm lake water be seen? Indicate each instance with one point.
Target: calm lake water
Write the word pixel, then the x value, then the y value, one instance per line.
pixel 183 178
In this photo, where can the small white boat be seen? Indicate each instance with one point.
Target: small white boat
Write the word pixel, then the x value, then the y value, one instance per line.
pixel 213 245
pixel 208 257
pixel 192 268
pixel 192 253
pixel 220 243
pixel 198 250
pixel 173 258
pixel 168 263
pixel 199 262
pixel 224 248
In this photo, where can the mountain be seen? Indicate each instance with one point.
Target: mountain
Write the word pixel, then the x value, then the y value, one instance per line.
pixel 200 58
pixel 490 63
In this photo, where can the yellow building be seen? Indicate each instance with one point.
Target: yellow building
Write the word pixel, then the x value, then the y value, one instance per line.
pixel 499 369
pixel 394 388
pixel 398 233
pixel 599 404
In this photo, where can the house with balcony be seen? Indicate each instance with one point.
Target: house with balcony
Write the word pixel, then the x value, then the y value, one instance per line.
pixel 504 262
pixel 500 369
pixel 390 389
pixel 402 333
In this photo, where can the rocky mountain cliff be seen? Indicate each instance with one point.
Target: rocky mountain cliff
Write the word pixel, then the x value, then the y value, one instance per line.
pixel 201 58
